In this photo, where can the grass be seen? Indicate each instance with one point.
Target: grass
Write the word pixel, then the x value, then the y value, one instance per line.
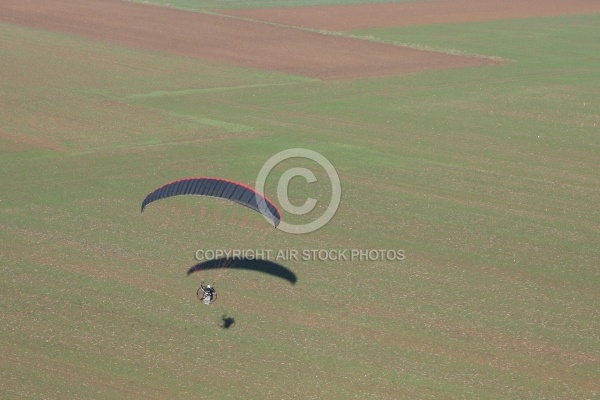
pixel 486 177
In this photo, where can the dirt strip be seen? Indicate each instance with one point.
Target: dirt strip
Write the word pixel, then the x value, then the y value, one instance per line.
pixel 225 39
pixel 388 15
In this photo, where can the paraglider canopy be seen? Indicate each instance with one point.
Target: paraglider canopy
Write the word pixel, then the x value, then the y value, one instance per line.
pixel 222 188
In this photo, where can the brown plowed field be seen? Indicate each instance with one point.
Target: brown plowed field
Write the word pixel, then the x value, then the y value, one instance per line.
pixel 227 40
pixel 387 15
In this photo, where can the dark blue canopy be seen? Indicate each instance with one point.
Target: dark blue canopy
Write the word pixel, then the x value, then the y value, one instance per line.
pixel 216 187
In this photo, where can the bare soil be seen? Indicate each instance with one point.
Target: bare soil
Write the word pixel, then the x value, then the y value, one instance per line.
pixel 227 40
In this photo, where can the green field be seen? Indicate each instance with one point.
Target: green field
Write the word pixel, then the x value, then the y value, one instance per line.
pixel 488 179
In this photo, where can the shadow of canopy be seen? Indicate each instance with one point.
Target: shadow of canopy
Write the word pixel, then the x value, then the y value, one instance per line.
pixel 264 266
